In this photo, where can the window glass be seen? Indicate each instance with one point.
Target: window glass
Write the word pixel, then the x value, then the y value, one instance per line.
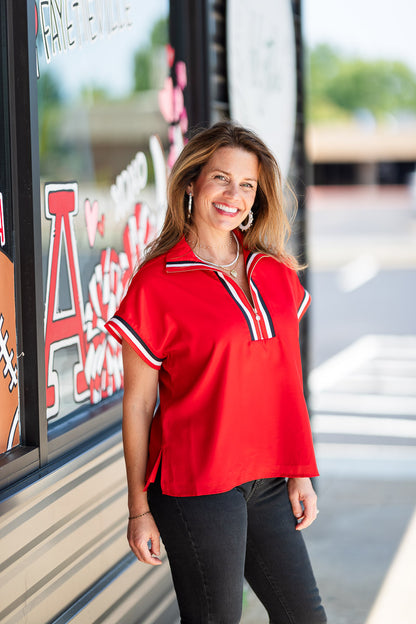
pixel 102 70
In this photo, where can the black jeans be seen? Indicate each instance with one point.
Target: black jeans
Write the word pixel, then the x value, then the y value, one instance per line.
pixel 214 541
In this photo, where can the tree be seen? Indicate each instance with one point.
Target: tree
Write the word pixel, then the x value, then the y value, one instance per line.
pixel 339 85
pixel 160 33
pixel 142 69
pixel 143 59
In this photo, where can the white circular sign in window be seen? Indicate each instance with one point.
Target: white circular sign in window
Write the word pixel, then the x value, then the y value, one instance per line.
pixel 261 58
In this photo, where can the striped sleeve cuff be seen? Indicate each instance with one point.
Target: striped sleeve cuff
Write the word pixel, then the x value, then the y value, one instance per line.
pixel 304 305
pixel 121 330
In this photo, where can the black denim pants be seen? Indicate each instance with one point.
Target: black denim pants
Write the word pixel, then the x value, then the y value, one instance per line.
pixel 214 541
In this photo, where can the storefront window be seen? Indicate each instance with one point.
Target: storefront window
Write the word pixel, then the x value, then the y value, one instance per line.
pixel 103 132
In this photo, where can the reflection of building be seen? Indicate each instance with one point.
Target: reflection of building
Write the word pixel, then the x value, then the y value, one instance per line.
pixel 117 130
pixel 353 153
pixel 100 169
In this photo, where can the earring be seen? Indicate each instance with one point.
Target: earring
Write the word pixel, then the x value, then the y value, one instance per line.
pixel 247 226
pixel 189 205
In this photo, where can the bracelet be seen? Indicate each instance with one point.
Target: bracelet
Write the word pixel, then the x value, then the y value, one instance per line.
pixel 139 515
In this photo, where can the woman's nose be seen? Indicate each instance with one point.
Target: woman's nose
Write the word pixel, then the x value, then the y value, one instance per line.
pixel 232 189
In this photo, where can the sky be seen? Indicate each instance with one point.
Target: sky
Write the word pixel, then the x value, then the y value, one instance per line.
pixel 368 28
pixel 108 61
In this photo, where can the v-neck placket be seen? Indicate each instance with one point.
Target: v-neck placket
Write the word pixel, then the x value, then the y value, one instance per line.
pixel 259 314
pixel 257 317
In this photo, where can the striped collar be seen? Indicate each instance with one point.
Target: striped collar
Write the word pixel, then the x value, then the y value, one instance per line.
pixel 181 258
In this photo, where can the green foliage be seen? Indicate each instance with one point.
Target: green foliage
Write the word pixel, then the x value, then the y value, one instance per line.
pixel 91 95
pixel 143 59
pixel 142 70
pixel 48 90
pixel 160 34
pixel 338 86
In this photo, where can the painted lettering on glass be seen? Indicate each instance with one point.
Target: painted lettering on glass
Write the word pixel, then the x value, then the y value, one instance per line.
pixel 76 324
pixel 97 372
pixel 92 221
pixel 63 327
pixel 172 105
pixel 70 24
pixel 9 396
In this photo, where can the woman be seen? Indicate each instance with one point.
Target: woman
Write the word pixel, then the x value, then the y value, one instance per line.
pixel 211 318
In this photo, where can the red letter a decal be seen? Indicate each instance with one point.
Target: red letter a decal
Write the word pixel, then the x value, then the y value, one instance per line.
pixel 63 327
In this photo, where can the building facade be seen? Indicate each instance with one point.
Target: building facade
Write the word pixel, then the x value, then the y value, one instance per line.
pixel 96 100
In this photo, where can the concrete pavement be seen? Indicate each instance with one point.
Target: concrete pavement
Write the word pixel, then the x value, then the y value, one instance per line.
pixel 363 551
pixel 395 601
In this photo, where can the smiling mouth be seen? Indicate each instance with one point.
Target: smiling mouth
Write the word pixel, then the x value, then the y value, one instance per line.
pixel 226 209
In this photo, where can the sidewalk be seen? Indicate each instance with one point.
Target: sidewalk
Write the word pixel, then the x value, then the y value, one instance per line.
pixel 364 550
pixel 361 561
pixel 395 601
pixel 353 545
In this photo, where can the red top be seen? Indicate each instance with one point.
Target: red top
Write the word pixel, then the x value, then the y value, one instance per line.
pixel 231 397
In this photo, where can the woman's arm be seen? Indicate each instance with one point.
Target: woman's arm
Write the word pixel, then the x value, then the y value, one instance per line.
pixel 140 393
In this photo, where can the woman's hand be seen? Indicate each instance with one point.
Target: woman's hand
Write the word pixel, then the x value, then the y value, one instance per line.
pixel 303 500
pixel 144 539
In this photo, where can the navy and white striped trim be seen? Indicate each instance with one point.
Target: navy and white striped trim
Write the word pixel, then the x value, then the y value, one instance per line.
pixel 250 259
pixel 304 304
pixel 261 306
pixel 185 264
pixel 123 330
pixel 244 309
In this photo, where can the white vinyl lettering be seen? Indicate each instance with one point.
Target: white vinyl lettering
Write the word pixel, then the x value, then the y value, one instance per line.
pixel 70 24
pixel 45 30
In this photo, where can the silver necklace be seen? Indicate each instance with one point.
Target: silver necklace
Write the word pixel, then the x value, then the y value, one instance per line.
pixel 229 244
pixel 233 272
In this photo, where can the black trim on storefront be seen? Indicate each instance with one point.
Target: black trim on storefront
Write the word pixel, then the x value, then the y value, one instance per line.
pixel 25 202
pixel 299 177
pixel 188 35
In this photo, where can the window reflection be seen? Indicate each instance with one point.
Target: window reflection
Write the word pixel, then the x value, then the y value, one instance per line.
pixel 101 70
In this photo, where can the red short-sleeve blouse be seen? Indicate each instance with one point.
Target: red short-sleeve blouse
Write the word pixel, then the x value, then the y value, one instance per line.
pixel 230 381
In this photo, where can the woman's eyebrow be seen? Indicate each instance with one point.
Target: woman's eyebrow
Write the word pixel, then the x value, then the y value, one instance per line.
pixel 219 170
pixel 229 174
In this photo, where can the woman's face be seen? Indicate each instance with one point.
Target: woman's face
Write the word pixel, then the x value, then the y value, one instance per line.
pixel 225 190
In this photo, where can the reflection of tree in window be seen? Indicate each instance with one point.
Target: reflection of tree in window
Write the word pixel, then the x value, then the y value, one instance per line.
pixel 149 59
pixel 63 132
pixel 49 104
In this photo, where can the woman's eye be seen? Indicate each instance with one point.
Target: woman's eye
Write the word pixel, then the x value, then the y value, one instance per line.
pixel 248 185
pixel 220 177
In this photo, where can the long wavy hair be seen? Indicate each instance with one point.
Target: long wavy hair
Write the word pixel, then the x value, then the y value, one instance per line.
pixel 271 227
